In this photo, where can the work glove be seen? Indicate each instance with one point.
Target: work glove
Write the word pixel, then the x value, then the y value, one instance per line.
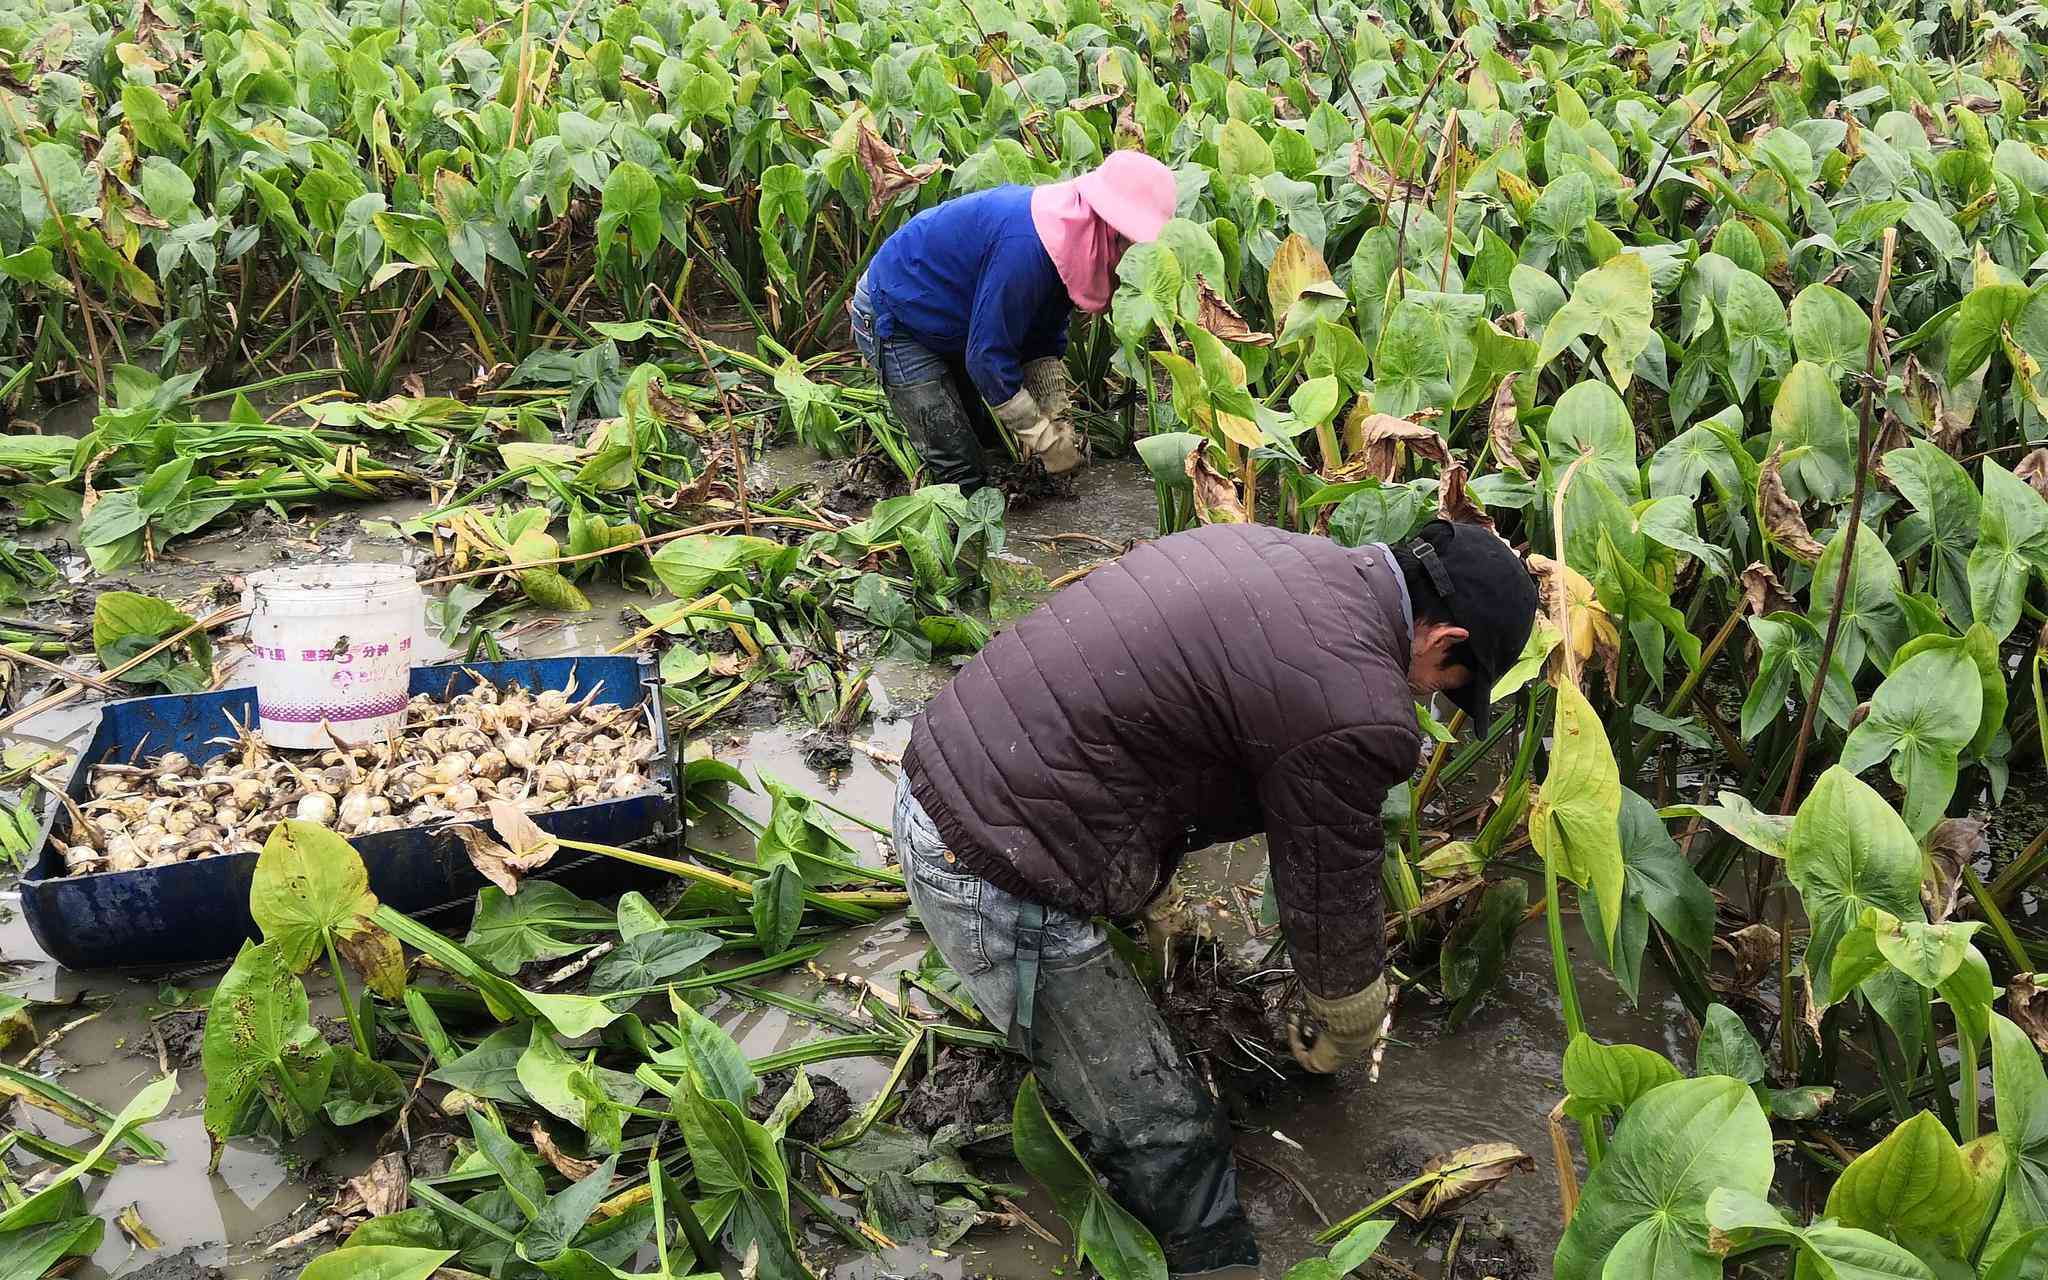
pixel 1326 1033
pixel 1052 442
pixel 1046 380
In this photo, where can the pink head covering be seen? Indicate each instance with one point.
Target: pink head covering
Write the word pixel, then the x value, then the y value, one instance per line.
pixel 1086 223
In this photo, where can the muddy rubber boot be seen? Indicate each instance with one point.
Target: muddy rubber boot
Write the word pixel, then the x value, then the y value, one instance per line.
pixel 1154 1130
pixel 942 431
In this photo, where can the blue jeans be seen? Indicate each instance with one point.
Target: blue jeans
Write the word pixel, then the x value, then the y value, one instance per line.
pixel 897 361
pixel 1100 1045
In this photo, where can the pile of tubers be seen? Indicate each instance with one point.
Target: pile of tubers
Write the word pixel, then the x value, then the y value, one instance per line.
pixel 451 760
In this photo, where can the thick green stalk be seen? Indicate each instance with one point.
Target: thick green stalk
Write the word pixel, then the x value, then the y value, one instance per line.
pixel 1341 1229
pixel 348 1004
pixel 1568 996
pixel 1972 1101
pixel 1888 1072
pixel 1987 902
pixel 1944 1101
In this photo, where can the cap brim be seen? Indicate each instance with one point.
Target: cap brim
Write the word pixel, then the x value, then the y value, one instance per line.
pixel 1473 700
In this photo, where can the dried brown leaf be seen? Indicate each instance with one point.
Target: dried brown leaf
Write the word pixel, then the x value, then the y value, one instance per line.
pixel 1762 593
pixel 1929 123
pixel 1503 424
pixel 1782 521
pixel 730 664
pixel 1953 844
pixel 378 1190
pixel 1216 497
pixel 492 860
pixel 488 377
pixel 2034 470
pixel 1383 185
pixel 1454 501
pixel 887 176
pixel 1373 442
pixel 521 834
pixel 568 1166
pixel 1464 1173
pixel 1221 319
pixel 2027 1005
pixel 376 955
pixel 1924 393
pixel 131 1224
pixel 505 865
pixel 1754 951
pixel 1129 137
pixel 1891 434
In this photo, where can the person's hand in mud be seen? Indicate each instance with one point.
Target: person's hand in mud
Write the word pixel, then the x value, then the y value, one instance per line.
pixel 1325 1033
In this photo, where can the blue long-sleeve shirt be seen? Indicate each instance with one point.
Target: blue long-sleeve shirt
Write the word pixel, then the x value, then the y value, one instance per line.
pixel 969 278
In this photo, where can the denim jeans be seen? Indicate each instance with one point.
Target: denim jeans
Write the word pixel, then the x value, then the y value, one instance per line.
pixel 897 361
pixel 1100 1046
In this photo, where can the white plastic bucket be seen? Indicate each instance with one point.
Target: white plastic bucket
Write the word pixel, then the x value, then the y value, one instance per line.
pixel 333 643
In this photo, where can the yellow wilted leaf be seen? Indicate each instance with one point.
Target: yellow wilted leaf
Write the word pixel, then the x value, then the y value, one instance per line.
pixel 1297 269
pixel 1588 627
pixel 1575 819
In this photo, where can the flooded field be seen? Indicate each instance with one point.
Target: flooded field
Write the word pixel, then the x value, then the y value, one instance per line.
pixel 1311 1153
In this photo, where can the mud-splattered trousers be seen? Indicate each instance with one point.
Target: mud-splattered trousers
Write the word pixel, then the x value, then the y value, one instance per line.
pixel 1099 1045
pixel 931 396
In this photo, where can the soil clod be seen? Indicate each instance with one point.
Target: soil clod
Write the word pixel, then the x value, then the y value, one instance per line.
pixel 831 1105
pixel 967 1088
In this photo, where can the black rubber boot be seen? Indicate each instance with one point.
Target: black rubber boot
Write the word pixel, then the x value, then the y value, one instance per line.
pixel 1155 1132
pixel 942 431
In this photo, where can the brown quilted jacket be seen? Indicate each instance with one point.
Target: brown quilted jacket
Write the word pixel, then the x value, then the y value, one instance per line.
pixel 1207 686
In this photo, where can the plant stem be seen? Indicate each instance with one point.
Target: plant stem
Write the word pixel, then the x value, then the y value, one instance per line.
pixel 1972 1101
pixel 1691 682
pixel 1871 355
pixel 1944 1101
pixel 1888 1071
pixel 348 1003
pixel 2032 861
pixel 853 1132
pixel 1788 1008
pixel 1987 903
pixel 1344 1228
pixel 1590 1135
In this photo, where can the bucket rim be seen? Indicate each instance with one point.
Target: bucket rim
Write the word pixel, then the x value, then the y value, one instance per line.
pixel 307 580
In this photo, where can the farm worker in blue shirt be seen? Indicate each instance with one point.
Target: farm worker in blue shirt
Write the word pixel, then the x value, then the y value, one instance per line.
pixel 967 304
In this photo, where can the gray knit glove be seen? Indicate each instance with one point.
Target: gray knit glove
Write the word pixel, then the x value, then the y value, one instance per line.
pixel 1046 380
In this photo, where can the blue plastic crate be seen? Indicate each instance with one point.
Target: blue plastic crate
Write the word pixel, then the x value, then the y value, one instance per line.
pixel 192 912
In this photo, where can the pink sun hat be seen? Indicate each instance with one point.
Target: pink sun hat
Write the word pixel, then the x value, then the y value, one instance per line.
pixel 1132 192
pixel 1085 223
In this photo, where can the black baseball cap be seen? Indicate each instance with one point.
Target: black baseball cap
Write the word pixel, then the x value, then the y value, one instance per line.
pixel 1488 591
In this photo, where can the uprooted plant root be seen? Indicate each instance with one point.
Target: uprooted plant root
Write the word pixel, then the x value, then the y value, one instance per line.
pixel 1232 1022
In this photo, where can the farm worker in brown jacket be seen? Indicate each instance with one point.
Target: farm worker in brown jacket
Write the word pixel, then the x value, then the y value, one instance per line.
pixel 1207 686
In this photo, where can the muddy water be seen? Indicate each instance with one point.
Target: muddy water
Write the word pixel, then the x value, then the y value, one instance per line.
pixel 1494 1080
